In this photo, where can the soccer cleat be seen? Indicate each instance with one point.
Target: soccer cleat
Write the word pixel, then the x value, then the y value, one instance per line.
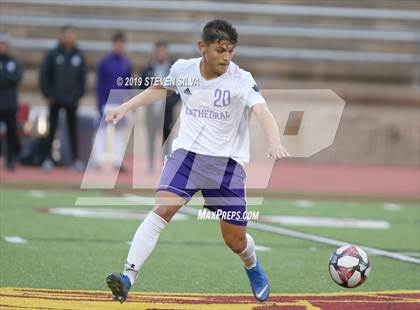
pixel 119 285
pixel 259 283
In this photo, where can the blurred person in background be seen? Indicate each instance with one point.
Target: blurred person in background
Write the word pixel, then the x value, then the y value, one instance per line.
pixel 113 66
pixel 159 67
pixel 10 76
pixel 63 76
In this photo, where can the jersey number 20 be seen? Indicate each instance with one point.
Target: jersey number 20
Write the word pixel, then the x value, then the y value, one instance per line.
pixel 221 98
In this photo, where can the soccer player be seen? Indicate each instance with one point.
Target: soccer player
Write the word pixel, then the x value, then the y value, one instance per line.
pixel 63 79
pixel 10 77
pixel 113 66
pixel 209 153
pixel 159 66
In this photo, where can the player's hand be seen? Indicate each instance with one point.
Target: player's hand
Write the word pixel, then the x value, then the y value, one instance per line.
pixel 114 116
pixel 277 151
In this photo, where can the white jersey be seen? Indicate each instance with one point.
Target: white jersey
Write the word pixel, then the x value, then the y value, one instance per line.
pixel 214 113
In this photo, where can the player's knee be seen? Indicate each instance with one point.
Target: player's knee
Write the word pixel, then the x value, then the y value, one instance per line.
pixel 167 204
pixel 236 243
pixel 165 212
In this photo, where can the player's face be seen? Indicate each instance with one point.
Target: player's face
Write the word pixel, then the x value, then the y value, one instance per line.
pixel 119 47
pixel 161 54
pixel 4 48
pixel 218 55
pixel 68 38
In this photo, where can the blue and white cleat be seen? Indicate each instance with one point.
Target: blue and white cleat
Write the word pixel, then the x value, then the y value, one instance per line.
pixel 259 283
pixel 119 285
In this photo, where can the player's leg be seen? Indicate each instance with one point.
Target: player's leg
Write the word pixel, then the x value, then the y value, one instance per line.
pixel 230 198
pixel 243 244
pixel 239 242
pixel 172 194
pixel 119 150
pixel 11 136
pixel 54 109
pixel 144 242
pixel 173 191
pixel 99 145
pixel 147 234
pixel 72 130
pixel 151 130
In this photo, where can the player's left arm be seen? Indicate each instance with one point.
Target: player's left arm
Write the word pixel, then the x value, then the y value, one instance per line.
pixel 267 121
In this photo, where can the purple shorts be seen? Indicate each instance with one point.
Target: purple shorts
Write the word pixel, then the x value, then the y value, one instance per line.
pixel 221 181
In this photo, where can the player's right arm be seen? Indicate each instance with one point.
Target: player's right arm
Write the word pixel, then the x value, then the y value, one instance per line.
pixel 150 95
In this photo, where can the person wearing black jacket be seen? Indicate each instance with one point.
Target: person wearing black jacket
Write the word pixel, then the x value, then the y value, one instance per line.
pixel 63 76
pixel 10 76
pixel 159 67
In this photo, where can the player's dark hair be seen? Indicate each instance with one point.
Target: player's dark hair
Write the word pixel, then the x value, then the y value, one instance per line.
pixel 66 27
pixel 118 36
pixel 161 43
pixel 219 30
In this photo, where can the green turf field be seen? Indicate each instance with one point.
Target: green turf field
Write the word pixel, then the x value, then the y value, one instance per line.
pixel 66 252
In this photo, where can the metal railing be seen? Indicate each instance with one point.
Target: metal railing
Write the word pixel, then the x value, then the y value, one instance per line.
pixel 229 7
pixel 243 51
pixel 159 25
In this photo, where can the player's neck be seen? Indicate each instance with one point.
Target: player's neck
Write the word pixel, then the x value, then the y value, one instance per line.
pixel 206 71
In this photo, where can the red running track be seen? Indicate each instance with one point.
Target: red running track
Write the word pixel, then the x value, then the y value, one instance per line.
pixel 286 176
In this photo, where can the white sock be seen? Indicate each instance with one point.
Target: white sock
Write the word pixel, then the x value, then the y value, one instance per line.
pixel 144 241
pixel 248 255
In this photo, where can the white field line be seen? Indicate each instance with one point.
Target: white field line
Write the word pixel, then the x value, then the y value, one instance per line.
pixel 15 239
pixel 305 204
pixel 129 200
pixel 37 194
pixel 319 239
pixel 114 201
pixel 107 213
pixel 394 207
pixel 415 254
pixel 316 221
pixel 262 248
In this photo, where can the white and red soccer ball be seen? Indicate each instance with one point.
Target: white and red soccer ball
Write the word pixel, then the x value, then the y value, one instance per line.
pixel 349 266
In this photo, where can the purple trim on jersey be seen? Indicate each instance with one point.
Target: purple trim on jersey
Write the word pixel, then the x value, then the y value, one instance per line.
pixel 221 181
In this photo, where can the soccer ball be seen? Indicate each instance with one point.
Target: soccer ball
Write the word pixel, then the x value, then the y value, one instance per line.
pixel 349 266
